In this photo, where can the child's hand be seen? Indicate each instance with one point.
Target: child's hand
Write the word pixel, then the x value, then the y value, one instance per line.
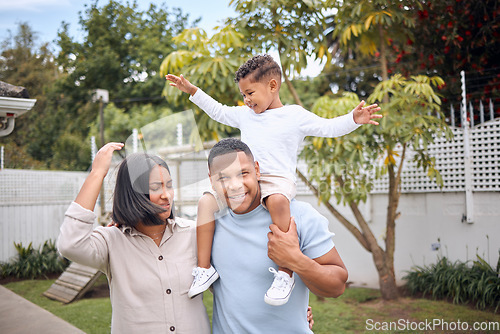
pixel 181 83
pixel 364 115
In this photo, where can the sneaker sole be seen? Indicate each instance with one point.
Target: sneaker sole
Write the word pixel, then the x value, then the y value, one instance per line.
pixel 278 302
pixel 195 292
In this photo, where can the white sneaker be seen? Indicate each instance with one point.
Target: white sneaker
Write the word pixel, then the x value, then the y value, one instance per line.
pixel 203 278
pixel 280 290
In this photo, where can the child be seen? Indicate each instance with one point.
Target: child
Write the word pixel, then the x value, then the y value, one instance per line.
pixel 274 133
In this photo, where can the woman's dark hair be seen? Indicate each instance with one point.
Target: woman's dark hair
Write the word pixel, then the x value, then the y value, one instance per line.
pixel 131 201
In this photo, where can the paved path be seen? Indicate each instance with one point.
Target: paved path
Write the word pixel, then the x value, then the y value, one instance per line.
pixel 20 316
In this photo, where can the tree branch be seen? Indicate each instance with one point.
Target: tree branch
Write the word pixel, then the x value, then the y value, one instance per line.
pixel 367 232
pixel 353 229
pixel 400 169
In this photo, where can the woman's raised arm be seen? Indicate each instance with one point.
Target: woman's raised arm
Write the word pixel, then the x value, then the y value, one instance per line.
pixel 87 197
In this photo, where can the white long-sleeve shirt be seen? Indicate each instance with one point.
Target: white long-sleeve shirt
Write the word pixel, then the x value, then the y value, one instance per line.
pixel 274 136
pixel 148 283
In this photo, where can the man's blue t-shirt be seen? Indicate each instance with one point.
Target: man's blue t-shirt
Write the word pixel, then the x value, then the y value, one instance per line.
pixel 239 253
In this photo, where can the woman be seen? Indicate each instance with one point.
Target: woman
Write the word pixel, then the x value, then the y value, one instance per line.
pixel 149 259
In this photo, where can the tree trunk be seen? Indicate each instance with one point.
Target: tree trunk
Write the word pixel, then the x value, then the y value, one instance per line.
pixel 387 281
pixel 383 59
pixel 384 263
pixel 292 90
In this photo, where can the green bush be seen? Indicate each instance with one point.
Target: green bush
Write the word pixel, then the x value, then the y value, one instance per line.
pixel 461 282
pixel 33 263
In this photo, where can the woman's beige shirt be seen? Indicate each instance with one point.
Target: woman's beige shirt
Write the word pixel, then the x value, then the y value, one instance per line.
pixel 148 284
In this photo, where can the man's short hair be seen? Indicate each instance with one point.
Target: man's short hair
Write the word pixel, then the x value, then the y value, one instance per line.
pixel 259 67
pixel 226 146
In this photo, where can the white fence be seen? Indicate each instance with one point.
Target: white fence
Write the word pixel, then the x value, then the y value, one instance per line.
pixel 484 145
pixel 32 206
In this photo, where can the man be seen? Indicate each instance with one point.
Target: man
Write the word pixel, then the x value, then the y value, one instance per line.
pixel 243 248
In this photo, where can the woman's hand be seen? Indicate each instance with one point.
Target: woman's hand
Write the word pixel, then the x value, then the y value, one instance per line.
pixel 102 160
pixel 89 192
pixel 310 317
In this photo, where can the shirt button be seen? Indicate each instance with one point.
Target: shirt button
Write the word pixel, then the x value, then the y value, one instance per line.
pixel 160 257
pixel 169 291
pixel 172 328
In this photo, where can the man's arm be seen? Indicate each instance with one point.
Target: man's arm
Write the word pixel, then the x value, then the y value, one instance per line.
pixel 324 276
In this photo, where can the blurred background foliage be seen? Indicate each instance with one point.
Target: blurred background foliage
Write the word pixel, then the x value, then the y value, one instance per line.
pixel 123 48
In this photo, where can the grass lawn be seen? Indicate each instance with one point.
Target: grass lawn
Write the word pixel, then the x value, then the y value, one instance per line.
pixel 357 311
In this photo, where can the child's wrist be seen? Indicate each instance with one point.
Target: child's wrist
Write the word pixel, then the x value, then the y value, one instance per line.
pixel 193 90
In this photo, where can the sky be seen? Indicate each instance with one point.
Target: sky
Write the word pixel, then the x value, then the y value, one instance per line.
pixel 45 17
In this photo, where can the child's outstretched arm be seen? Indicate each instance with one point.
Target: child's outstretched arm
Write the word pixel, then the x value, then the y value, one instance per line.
pixel 215 110
pixel 365 115
pixel 182 84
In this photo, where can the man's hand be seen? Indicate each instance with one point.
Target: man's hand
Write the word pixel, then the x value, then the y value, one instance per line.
pixel 283 247
pixel 181 83
pixel 364 115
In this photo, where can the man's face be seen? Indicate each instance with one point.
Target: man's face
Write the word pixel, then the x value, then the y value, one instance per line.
pixel 234 176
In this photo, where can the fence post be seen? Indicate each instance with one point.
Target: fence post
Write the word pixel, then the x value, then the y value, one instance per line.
pixel 135 140
pixel 469 200
pixel 481 112
pixel 93 148
pixel 452 112
pixel 492 114
pixel 471 115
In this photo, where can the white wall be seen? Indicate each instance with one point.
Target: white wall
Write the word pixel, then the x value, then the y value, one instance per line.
pixel 425 219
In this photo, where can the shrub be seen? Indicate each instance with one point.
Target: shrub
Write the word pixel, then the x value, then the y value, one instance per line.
pixel 461 282
pixel 33 263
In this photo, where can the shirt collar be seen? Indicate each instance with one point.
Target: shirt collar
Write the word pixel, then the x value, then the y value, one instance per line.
pixel 181 223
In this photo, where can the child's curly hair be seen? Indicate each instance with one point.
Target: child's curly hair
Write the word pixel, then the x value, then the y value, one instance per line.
pixel 259 66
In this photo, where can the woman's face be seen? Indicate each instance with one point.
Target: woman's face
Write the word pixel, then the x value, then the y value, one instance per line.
pixel 161 191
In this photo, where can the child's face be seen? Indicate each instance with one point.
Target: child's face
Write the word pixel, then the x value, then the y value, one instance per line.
pixel 259 96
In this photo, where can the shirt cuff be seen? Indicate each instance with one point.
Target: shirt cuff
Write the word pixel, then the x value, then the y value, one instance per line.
pixel 198 96
pixel 356 125
pixel 78 212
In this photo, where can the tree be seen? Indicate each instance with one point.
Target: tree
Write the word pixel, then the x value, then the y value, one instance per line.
pixel 24 62
pixel 120 123
pixel 293 28
pixel 372 26
pixel 121 51
pixel 454 36
pixel 346 166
